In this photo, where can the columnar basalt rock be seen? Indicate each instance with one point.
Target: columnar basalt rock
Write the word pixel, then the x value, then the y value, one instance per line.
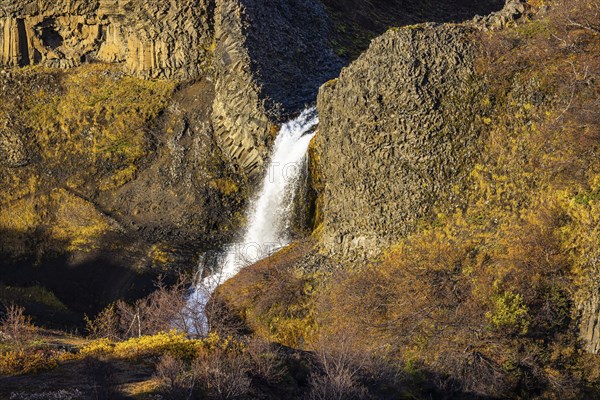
pixel 395 136
pixel 590 323
pixel 262 82
pixel 589 304
pixel 153 39
pixel 239 118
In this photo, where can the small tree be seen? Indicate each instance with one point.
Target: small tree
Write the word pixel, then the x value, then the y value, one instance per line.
pixel 340 366
pixel 164 309
pixel 105 325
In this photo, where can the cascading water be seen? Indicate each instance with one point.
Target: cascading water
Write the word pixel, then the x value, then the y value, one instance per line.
pixel 269 215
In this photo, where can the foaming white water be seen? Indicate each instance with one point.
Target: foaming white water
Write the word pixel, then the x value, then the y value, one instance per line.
pixel 269 215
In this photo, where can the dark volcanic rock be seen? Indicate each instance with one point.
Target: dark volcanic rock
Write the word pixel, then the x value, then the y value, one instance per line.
pixel 270 59
pixel 296 58
pixel 397 135
pixel 154 39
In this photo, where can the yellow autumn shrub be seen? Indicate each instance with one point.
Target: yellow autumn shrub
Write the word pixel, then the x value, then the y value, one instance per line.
pixel 176 343
pixel 28 361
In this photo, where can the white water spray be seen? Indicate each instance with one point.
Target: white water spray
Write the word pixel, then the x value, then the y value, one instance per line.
pixel 269 215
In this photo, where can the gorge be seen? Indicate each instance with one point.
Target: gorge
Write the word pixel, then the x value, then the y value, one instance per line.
pixel 433 233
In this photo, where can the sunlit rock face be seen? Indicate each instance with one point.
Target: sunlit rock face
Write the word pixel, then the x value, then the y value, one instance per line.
pixel 153 39
pixel 392 140
pixel 399 131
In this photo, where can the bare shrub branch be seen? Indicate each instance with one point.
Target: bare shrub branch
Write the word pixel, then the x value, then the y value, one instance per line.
pixel 16 327
pixel 222 374
pixel 341 364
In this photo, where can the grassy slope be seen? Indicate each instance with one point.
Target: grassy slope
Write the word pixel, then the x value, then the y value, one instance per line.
pixel 85 131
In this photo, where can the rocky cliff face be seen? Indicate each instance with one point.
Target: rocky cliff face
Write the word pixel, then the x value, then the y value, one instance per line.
pixel 241 125
pixel 590 321
pixel 398 132
pixel 253 91
pixel 152 39
pixel 392 144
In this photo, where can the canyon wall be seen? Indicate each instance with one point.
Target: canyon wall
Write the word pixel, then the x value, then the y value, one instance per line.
pixel 252 91
pixel 267 59
pixel 184 40
pixel 399 132
pixel 153 39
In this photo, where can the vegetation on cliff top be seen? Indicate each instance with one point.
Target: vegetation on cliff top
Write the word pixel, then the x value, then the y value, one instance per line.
pixel 83 130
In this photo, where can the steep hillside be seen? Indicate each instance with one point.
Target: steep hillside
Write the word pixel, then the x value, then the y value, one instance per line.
pixel 102 180
pixel 457 175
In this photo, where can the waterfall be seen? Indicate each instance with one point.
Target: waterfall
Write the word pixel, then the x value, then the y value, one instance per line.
pixel 269 215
